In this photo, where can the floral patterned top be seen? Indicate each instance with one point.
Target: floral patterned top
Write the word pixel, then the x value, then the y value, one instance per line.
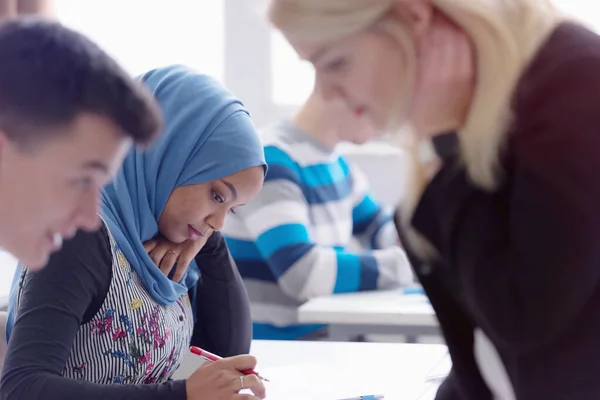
pixel 85 325
pixel 132 339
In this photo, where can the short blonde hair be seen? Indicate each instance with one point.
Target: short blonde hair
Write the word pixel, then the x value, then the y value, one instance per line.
pixel 506 34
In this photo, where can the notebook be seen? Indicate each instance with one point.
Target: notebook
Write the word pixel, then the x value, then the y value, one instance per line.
pixel 322 382
pixel 315 382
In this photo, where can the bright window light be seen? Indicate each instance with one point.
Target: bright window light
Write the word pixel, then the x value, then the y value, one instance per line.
pixel 145 34
pixel 293 78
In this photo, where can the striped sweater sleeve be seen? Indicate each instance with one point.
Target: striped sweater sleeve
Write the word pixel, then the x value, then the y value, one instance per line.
pixel 372 223
pixel 278 221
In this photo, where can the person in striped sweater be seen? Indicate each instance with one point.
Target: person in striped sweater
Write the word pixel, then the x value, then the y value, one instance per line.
pixel 291 242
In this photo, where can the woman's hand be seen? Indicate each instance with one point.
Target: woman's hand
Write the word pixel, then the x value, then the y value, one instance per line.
pixel 168 255
pixel 222 380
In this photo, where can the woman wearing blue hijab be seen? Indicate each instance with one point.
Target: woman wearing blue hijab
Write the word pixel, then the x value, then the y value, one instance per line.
pixel 102 320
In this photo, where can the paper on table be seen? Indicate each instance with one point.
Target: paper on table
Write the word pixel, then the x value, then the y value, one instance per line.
pixel 430 392
pixel 315 382
pixel 346 376
pixel 435 378
pixel 327 382
pixel 441 369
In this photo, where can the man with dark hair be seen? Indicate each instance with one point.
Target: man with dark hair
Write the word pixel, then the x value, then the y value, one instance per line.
pixel 68 116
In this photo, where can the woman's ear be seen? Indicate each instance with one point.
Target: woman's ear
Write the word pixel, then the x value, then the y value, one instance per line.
pixel 417 13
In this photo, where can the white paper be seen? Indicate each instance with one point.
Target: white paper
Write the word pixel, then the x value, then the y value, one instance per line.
pixel 322 382
pixel 435 377
pixel 430 392
pixel 315 382
pixel 441 369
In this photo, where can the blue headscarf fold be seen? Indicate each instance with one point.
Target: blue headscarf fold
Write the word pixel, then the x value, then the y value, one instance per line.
pixel 208 135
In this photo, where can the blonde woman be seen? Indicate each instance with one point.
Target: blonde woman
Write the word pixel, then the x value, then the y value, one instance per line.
pixel 505 227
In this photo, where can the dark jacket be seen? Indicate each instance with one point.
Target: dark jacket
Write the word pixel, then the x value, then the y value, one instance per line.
pixel 523 263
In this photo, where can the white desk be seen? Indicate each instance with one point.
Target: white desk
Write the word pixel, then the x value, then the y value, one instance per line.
pixel 306 369
pixel 377 312
pixel 7 269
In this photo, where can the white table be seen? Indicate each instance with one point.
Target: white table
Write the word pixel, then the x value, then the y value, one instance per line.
pixel 306 370
pixel 378 312
pixel 7 269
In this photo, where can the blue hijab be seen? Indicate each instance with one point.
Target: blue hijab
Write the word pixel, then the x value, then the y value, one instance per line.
pixel 208 135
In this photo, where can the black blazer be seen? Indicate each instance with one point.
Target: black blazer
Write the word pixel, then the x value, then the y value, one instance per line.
pixel 523 263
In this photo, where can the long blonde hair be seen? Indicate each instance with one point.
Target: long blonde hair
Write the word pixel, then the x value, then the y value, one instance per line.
pixel 506 34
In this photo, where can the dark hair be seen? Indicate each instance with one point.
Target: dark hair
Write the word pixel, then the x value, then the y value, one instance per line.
pixel 49 74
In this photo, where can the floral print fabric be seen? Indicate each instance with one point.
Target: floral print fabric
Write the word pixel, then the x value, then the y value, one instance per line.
pixel 132 339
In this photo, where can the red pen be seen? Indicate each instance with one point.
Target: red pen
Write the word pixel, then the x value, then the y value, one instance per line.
pixel 213 357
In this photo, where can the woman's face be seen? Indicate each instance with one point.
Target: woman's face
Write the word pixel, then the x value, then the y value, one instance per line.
pixel 197 210
pixel 367 71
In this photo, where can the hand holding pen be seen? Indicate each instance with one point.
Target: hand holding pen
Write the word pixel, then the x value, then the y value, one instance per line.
pixel 213 357
pixel 223 379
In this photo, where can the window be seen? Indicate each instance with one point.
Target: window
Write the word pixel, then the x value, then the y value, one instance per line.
pixel 293 78
pixel 144 34
pixel 585 10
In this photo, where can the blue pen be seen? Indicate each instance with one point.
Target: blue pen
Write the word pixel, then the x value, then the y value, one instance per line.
pixel 413 290
pixel 368 397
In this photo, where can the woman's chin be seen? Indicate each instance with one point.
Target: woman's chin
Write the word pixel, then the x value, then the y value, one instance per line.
pixel 172 237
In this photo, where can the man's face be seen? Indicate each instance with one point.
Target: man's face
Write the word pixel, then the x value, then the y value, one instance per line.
pixel 50 191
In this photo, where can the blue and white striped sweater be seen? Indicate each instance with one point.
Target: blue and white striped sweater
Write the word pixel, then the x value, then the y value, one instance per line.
pixel 290 242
